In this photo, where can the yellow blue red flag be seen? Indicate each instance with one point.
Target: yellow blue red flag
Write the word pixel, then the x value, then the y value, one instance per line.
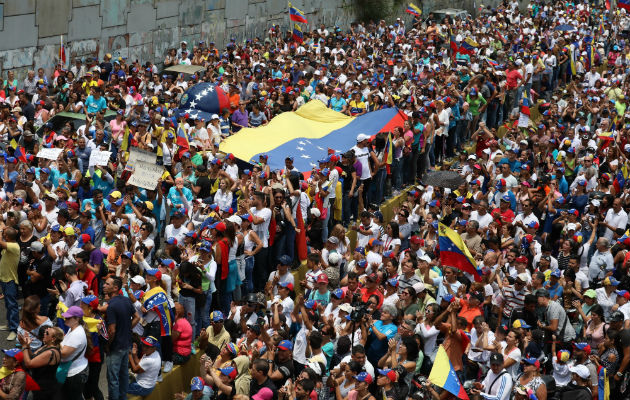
pixel 443 375
pixel 454 253
pixel 414 10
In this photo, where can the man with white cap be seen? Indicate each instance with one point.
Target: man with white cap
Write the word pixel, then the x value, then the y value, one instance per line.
pixel 423 296
pixel 580 386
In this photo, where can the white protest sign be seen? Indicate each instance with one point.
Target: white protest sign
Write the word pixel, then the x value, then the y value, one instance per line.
pixel 99 158
pixel 136 155
pixel 146 175
pixel 49 154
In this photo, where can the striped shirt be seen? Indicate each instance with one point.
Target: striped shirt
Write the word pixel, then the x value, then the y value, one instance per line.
pixel 514 300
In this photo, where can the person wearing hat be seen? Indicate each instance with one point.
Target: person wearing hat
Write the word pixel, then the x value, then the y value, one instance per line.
pixel 13 382
pixel 146 368
pixel 197 390
pixel 555 321
pixel 9 278
pixel 498 383
pixel 38 274
pixel 73 349
pixel 580 387
pixel 215 335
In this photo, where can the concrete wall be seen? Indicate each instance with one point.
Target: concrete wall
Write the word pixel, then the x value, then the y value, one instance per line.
pixel 140 29
pixel 30 30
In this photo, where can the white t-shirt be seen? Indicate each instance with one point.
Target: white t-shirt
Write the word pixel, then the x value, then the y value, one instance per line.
pixel 363 155
pixel 76 339
pixel 151 365
pixel 262 229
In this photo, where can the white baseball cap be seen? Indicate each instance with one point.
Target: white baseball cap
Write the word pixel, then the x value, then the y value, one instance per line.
pixel 361 137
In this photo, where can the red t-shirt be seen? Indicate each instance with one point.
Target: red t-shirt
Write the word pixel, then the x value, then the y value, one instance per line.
pixel 90 279
pixel 512 78
pixel 365 296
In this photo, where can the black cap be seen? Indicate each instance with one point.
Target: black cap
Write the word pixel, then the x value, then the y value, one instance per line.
pixel 255 328
pixel 617 316
pixel 496 358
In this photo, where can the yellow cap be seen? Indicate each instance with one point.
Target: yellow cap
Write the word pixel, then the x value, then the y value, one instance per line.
pixel 115 194
pixel 149 205
pixel 69 231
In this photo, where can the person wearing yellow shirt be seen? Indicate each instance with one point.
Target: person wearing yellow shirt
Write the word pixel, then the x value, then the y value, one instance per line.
pixel 356 106
pixel 9 278
pixel 89 83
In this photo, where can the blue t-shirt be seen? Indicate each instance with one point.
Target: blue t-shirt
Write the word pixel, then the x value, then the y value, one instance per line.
pixel 94 105
pixel 377 348
pixel 337 104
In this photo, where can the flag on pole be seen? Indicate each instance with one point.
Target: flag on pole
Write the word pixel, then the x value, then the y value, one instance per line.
pixel 182 140
pixel 62 52
pixel 443 375
pixel 388 155
pixel 603 386
pixel 414 10
pixel 455 253
pixel 298 36
pixel 297 15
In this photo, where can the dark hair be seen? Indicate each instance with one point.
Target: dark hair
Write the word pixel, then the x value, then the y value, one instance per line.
pixel 117 282
pixel 343 345
pixel 355 367
pixel 84 256
pixel 358 349
pixel 395 229
pixel 530 299
pixel 352 275
pixel 261 365
pixel 597 309
pixel 315 340
pixel 307 384
pixel 412 348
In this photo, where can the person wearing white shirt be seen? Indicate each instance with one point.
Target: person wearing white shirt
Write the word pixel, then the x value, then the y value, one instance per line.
pixel 616 218
pixel 498 383
pixel 481 215
pixel 73 349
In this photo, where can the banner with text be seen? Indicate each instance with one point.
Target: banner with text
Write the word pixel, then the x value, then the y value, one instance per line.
pixel 146 175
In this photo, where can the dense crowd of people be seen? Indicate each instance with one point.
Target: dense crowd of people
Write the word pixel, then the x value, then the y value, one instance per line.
pixel 254 267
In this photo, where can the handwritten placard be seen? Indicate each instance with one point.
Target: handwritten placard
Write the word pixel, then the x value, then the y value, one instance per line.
pixel 98 157
pixel 136 155
pixel 49 154
pixel 146 175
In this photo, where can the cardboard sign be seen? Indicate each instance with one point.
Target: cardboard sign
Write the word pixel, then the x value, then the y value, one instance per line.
pixel 146 175
pixel 136 155
pixel 49 154
pixel 99 158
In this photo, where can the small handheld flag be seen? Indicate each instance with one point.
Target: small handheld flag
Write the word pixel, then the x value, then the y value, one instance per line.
pixel 455 253
pixel 414 10
pixel 62 52
pixel 298 36
pixel 296 15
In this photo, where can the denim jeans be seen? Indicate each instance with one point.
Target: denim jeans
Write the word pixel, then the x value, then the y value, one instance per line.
pixel 44 303
pixel 135 389
pixel 397 173
pixel 117 374
pixel 248 285
pixel 189 306
pixel 204 318
pixel 325 225
pixel 10 290
pixel 345 209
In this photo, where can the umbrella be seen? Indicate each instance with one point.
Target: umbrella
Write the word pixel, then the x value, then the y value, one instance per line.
pixel 444 179
pixel 565 28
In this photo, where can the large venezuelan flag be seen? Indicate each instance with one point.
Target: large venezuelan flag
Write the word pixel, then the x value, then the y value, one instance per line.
pixel 156 300
pixel 454 253
pixel 443 375
pixel 307 134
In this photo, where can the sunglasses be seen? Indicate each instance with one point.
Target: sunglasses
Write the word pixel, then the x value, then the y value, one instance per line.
pixel 218 322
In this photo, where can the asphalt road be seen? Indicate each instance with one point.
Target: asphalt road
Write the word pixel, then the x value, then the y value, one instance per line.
pixel 5 344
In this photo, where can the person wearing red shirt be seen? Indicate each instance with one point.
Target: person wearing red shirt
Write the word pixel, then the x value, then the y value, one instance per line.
pixel 504 214
pixel 371 288
pixel 513 79
pixel 85 274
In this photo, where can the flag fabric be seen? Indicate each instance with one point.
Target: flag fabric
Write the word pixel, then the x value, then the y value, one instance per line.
pixel 311 129
pixel 62 52
pixel 454 47
pixel 443 375
pixel 300 239
pixel 455 253
pixel 182 141
pixel 606 137
pixel 20 154
pixel 414 10
pixel 492 62
pixel 296 15
pixel 49 139
pixel 603 386
pixel 607 5
pixel 156 300
pixel 469 46
pixel 625 4
pixel 126 142
pixel 388 155
pixel 298 36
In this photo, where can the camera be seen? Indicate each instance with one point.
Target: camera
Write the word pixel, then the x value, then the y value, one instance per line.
pixel 360 309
